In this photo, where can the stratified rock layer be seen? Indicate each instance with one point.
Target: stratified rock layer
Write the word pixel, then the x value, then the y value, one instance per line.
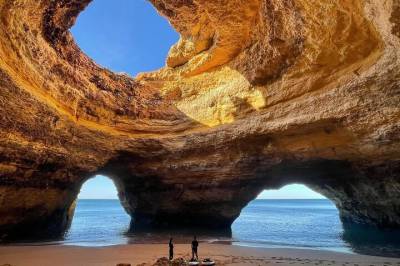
pixel 256 94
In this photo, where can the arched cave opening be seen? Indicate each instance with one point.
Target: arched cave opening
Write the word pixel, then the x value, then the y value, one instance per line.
pixel 99 218
pixel 138 46
pixel 290 216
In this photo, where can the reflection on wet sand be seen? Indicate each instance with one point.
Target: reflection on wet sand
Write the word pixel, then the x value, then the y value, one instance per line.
pixel 360 240
pixel 137 235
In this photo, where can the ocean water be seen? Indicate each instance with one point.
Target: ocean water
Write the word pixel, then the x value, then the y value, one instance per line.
pixel 311 224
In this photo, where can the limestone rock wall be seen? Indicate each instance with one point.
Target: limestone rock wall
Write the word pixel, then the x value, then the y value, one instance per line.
pixel 256 94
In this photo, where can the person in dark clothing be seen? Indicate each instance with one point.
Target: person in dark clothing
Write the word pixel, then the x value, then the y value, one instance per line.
pixel 195 244
pixel 171 249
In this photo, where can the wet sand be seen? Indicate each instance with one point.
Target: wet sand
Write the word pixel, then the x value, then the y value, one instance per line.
pixel 147 254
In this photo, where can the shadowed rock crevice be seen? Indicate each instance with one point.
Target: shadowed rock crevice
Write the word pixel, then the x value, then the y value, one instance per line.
pixel 255 95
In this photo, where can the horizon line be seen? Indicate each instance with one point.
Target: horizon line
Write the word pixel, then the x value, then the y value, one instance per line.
pixel 254 199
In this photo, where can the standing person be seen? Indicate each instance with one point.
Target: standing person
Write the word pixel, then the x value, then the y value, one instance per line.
pixel 171 249
pixel 195 244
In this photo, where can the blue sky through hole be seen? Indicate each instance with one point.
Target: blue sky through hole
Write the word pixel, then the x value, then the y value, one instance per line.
pixel 128 37
pixel 132 37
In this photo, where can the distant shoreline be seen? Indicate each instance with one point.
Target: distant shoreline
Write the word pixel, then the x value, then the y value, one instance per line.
pixel 254 199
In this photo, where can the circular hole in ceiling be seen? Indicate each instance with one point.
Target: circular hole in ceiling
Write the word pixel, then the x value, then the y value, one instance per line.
pixel 124 35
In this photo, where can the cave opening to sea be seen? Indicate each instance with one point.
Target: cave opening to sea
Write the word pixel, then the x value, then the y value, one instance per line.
pixel 99 218
pixel 292 216
pixel 124 36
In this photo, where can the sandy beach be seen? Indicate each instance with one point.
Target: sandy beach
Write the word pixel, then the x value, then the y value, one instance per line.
pixel 147 254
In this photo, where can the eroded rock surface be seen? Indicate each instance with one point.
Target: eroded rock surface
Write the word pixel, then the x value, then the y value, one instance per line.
pixel 256 94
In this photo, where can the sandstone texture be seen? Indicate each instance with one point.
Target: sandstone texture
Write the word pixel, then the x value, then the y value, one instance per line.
pixel 256 94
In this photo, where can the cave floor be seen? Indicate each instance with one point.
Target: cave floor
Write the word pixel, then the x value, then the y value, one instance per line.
pixel 147 254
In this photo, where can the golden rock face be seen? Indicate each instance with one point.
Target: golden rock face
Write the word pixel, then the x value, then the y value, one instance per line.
pixel 258 46
pixel 256 94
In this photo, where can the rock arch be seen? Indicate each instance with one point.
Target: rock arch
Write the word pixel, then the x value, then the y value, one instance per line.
pixel 242 104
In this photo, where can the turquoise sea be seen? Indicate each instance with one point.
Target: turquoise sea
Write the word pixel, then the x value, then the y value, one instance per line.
pixel 311 224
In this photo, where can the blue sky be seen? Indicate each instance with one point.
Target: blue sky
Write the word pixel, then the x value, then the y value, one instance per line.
pixel 99 187
pixel 132 37
pixel 294 191
pixel 129 37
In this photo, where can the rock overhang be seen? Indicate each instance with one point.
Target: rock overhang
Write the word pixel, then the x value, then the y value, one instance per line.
pixel 251 89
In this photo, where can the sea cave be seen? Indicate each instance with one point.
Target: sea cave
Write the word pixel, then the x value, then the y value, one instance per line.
pixel 254 95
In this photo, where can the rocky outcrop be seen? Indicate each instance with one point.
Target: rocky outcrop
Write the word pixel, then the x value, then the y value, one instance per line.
pixel 255 95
